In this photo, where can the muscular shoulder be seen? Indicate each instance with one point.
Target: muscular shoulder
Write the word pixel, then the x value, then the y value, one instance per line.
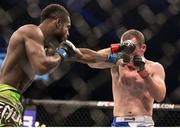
pixel 155 64
pixel 155 67
pixel 30 31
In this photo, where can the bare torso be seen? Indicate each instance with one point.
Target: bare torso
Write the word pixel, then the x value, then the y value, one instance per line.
pixel 129 92
pixel 16 70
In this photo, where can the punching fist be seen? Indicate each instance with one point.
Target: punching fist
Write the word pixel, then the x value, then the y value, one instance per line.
pixel 139 61
pixel 50 51
pixel 116 57
pixel 66 49
pixel 126 47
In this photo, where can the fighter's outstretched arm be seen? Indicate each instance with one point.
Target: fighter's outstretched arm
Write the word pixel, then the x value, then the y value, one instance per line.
pixel 115 55
pixel 95 59
pixel 105 58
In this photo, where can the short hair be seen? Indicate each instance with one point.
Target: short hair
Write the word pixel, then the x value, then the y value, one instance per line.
pixel 133 33
pixel 54 11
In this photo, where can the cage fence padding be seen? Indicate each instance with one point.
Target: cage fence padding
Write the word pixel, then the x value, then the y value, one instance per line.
pixel 94 113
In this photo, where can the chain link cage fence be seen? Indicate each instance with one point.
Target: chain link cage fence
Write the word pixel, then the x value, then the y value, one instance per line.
pixel 90 113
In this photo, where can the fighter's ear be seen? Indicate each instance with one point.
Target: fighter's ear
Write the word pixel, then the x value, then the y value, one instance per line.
pixel 58 22
pixel 143 47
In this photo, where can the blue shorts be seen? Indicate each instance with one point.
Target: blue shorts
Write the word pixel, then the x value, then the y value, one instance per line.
pixel 133 121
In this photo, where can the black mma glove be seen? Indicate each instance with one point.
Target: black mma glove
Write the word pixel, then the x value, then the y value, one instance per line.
pixel 66 49
pixel 139 61
pixel 126 47
pixel 121 51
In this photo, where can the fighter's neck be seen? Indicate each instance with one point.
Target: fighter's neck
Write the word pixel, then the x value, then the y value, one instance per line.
pixel 51 43
pixel 49 39
pixel 44 28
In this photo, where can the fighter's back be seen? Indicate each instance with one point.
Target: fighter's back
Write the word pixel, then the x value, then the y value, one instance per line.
pixel 16 69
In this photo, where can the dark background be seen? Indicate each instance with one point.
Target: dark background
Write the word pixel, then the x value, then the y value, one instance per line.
pixel 95 25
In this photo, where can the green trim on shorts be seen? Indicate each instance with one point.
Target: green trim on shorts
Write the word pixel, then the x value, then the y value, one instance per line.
pixel 4 87
pixel 9 93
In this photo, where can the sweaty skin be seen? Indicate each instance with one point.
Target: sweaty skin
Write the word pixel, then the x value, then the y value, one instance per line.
pixel 31 51
pixel 26 57
pixel 130 92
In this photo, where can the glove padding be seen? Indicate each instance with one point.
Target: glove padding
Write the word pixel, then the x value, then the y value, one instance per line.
pixel 66 49
pixel 127 47
pixel 139 61
pixel 115 57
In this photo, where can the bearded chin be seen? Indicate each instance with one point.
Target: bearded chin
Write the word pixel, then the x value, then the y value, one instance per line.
pixel 60 38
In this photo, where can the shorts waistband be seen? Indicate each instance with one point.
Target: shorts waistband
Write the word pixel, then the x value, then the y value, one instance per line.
pixel 132 118
pixel 5 87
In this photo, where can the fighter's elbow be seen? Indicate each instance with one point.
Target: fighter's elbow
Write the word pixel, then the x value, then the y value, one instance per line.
pixel 160 97
pixel 94 65
pixel 91 65
pixel 40 70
